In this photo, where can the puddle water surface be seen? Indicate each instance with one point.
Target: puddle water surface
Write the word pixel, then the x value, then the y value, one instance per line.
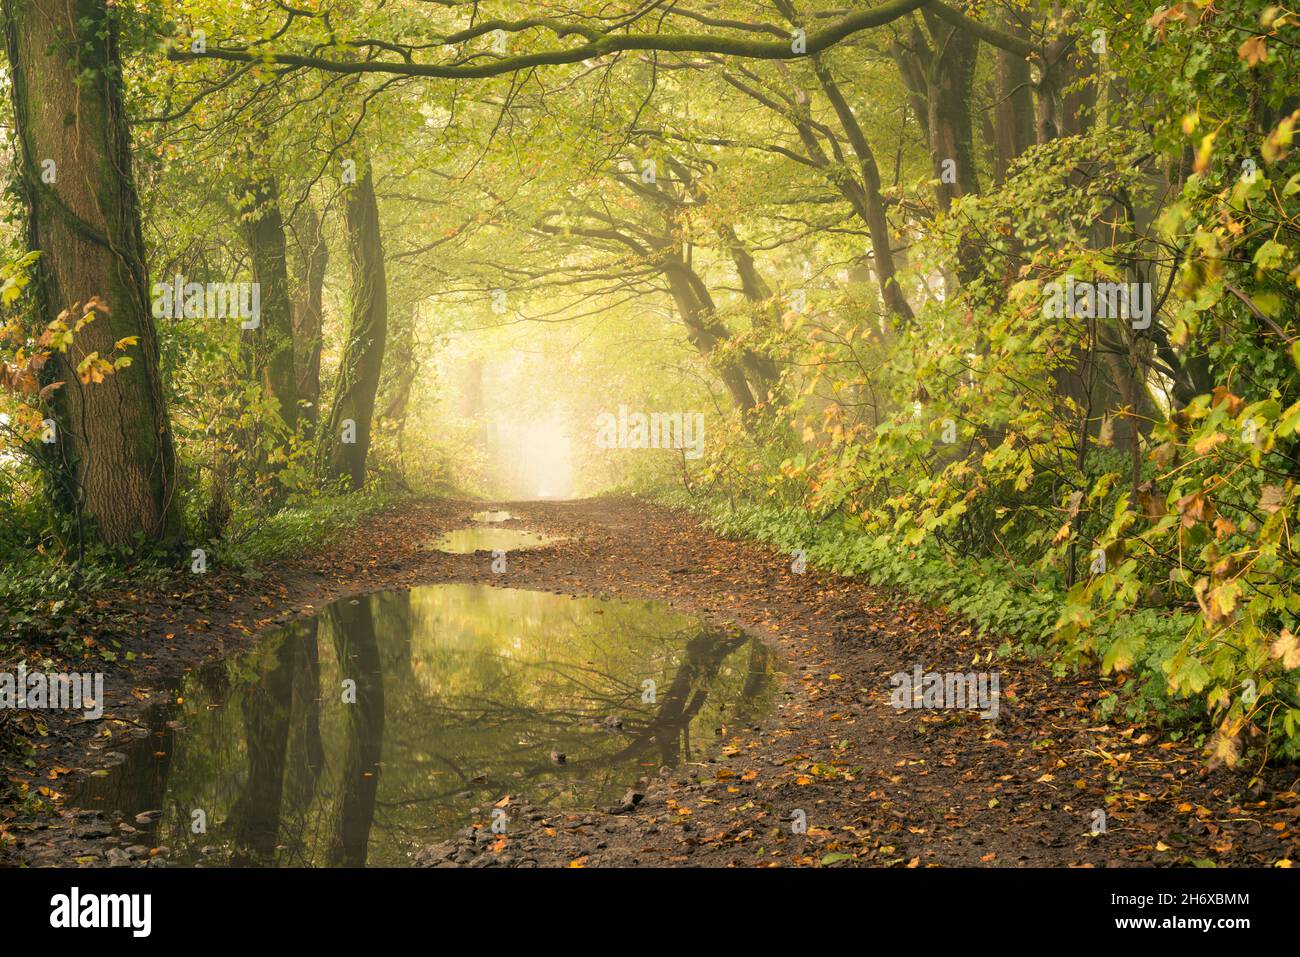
pixel 491 516
pixel 376 727
pixel 463 541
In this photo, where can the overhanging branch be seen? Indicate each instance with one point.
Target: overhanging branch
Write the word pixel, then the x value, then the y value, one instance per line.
pixel 596 46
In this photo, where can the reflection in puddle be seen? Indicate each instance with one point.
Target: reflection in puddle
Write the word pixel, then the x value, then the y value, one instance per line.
pixel 463 541
pixel 491 516
pixel 353 737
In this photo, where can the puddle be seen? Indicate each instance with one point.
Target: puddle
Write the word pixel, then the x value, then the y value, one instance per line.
pixel 463 541
pixel 462 694
pixel 492 516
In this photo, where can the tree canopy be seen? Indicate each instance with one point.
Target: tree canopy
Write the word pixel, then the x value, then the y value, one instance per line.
pixel 992 301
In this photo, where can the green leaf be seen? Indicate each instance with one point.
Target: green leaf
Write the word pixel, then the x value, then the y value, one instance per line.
pixel 1270 255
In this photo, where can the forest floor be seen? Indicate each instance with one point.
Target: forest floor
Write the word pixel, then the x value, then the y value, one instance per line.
pixel 878 785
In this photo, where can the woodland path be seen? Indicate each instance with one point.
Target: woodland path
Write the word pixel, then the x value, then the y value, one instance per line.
pixel 879 786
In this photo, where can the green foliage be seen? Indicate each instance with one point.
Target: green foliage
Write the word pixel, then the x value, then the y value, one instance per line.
pixel 969 457
pixel 671 231
pixel 1002 601
pixel 256 538
pixel 42 600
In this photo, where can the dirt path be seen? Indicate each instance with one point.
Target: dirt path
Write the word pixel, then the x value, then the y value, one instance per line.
pixel 877 785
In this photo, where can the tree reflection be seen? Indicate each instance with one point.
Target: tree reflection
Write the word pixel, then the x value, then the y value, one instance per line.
pixel 265 705
pixel 463 694
pixel 353 629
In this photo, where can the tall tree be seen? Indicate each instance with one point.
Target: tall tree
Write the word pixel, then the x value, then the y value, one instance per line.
pixel 346 441
pixel 264 228
pixel 1013 119
pixel 113 440
pixel 308 312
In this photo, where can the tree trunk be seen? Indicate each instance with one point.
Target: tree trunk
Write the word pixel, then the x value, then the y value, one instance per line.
pixel 114 444
pixel 347 437
pixel 702 337
pixel 308 313
pixel 1013 116
pixel 873 210
pixel 762 371
pixel 1047 103
pixel 401 367
pixel 951 75
pixel 273 350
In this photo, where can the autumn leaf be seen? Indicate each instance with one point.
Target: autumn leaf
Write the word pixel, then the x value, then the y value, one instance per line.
pixel 1223 397
pixel 1271 498
pixel 1253 51
pixel 1274 147
pixel 1161 19
pixel 1195 508
pixel 1203 153
pixel 1208 442
pixel 1286 647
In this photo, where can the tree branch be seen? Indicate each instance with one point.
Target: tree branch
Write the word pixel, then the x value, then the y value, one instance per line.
pixel 597 45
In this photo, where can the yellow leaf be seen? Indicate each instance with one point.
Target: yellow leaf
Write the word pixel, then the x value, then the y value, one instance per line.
pixel 1203 153
pixel 1253 51
pixel 1287 648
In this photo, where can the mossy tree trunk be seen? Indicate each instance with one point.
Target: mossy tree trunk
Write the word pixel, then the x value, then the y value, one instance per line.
pixel 273 337
pixel 114 448
pixel 1013 106
pixel 308 313
pixel 346 438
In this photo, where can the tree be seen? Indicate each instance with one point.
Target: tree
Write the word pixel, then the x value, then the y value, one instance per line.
pixel 597 43
pixel 346 440
pixel 114 443
pixel 308 315
pixel 274 359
